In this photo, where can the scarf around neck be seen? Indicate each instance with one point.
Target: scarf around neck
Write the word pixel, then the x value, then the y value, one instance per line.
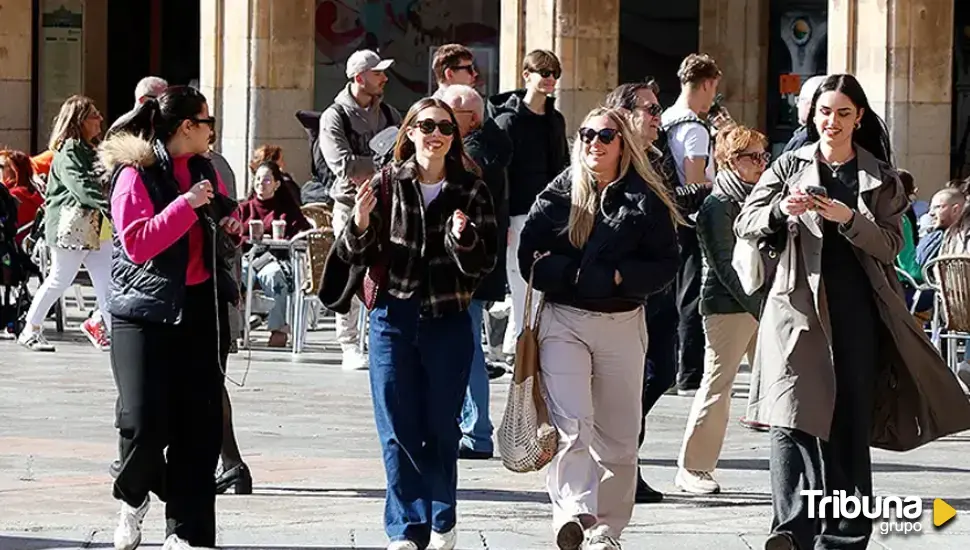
pixel 727 183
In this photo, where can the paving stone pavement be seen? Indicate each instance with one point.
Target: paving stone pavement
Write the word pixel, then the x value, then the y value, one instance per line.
pixel 306 430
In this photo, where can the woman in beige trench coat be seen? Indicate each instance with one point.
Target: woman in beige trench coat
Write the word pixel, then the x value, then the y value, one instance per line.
pixel 843 364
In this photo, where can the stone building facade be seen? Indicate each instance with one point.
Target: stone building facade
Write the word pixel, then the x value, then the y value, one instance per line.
pixel 260 61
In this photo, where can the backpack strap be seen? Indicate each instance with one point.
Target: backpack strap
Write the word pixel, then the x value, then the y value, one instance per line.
pixel 691 118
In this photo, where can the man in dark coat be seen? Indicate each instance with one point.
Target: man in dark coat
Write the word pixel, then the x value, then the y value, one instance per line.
pixel 491 150
pixel 640 99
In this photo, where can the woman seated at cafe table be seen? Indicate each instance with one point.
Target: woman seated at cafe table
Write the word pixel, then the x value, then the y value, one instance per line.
pixel 267 205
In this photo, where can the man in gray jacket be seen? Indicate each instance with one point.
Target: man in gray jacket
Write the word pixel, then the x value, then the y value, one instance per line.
pixel 346 128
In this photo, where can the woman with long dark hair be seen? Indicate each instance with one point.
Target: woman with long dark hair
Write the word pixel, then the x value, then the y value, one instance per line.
pixel 599 240
pixel 433 227
pixel 843 364
pixel 171 284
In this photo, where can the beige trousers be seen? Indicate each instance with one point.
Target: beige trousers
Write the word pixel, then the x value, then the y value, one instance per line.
pixel 346 326
pixel 592 368
pixel 727 338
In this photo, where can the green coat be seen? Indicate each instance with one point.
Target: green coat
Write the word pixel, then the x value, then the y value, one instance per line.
pixel 75 180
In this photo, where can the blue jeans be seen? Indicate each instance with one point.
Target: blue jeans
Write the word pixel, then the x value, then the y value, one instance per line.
pixel 476 427
pixel 274 285
pixel 418 375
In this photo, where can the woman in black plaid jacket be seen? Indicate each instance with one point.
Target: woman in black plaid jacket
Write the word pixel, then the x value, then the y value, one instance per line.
pixel 433 226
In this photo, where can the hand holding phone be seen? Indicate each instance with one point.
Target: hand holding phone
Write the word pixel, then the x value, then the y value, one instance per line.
pixel 816 191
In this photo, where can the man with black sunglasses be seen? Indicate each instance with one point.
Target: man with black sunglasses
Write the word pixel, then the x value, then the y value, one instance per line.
pixel 640 99
pixel 453 64
pixel 539 153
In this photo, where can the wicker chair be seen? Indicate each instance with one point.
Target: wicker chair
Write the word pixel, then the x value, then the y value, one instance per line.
pixel 318 246
pixel 949 275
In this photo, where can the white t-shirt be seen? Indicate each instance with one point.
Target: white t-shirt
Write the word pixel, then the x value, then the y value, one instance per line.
pixel 688 140
pixel 430 191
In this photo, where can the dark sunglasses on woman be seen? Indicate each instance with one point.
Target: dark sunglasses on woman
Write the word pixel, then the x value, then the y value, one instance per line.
pixel 427 127
pixel 763 156
pixel 605 135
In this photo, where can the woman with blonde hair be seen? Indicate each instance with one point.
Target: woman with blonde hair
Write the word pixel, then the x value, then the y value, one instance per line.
pixel 599 240
pixel 730 315
pixel 76 227
pixel 430 223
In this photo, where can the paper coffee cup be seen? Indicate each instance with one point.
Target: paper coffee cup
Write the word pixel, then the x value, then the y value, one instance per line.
pixel 279 230
pixel 256 230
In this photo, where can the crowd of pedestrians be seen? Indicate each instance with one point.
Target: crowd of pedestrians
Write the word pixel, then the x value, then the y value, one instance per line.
pixel 628 230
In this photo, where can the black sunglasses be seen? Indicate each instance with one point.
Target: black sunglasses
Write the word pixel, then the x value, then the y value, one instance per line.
pixel 606 135
pixel 654 109
pixel 427 127
pixel 546 73
pixel 764 156
pixel 211 121
pixel 471 69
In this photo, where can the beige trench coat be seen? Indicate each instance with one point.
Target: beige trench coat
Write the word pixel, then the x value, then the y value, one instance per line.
pixel 917 398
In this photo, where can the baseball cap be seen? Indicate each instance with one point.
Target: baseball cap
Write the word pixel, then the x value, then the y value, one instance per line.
pixel 366 60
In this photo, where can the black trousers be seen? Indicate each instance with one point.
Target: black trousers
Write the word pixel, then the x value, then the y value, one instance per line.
pixel 660 367
pixel 690 329
pixel 800 461
pixel 170 397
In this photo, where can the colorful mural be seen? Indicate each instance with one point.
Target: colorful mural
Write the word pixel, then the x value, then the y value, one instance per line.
pixel 406 31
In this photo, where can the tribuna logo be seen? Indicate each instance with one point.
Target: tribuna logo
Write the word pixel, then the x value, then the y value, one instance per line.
pixel 905 510
pixel 840 505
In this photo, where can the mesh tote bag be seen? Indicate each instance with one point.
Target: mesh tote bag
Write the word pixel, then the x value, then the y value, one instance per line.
pixel 527 440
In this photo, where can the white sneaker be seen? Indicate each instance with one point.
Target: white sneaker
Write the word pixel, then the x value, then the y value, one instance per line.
pixel 173 542
pixel 34 341
pixel 598 538
pixel 697 482
pixel 128 532
pixel 963 373
pixel 443 541
pixel 403 545
pixel 354 359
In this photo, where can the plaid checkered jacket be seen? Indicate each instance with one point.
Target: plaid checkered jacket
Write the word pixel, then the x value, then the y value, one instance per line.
pixel 423 255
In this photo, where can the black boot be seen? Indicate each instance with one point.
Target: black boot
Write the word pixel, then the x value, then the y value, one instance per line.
pixel 239 477
pixel 645 493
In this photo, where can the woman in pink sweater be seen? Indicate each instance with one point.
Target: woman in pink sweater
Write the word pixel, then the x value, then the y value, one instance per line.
pixel 171 285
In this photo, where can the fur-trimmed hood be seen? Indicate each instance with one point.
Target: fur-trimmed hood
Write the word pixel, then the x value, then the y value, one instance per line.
pixel 126 150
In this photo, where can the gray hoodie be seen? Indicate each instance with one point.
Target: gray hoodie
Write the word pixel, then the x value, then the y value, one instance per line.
pixel 350 156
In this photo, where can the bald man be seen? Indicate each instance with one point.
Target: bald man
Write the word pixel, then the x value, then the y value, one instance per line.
pixel 491 149
pixel 805 96
pixel 946 207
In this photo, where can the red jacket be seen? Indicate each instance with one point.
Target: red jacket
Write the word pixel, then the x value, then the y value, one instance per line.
pixel 30 203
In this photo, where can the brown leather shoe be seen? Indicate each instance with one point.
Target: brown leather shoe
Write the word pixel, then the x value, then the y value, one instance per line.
pixel 277 339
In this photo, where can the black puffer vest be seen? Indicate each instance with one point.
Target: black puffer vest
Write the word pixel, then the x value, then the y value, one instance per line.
pixel 155 291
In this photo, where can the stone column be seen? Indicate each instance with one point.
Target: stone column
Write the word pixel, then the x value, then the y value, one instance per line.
pixel 735 34
pixel 511 44
pixel 903 57
pixel 259 71
pixel 584 34
pixel 15 74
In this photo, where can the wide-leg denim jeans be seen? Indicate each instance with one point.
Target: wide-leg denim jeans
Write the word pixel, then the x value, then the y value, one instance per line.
pixel 418 373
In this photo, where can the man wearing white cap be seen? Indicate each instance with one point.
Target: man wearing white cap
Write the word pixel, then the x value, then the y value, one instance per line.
pixel 800 137
pixel 346 129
